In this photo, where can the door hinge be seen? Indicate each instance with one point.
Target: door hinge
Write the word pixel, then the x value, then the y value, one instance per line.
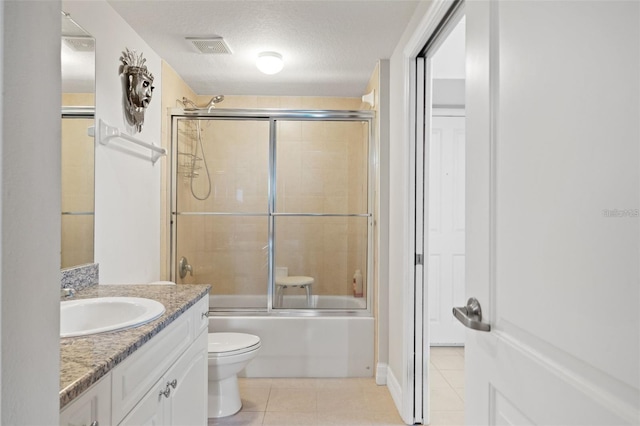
pixel 419 259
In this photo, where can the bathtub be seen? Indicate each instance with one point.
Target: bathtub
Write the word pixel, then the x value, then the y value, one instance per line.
pixel 303 345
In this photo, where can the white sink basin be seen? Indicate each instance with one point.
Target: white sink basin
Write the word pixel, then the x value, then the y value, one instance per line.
pixel 91 316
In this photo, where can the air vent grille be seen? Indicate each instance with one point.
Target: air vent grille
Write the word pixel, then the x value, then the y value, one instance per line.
pixel 210 45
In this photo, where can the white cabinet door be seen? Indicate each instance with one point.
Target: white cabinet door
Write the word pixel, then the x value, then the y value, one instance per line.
pixel 148 411
pixel 552 212
pixel 135 375
pixel 446 229
pixel 187 404
pixel 93 407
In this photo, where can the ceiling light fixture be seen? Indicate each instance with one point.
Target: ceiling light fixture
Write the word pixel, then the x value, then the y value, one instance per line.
pixel 270 62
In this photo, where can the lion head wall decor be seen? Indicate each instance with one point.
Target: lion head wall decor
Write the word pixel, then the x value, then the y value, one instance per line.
pixel 137 88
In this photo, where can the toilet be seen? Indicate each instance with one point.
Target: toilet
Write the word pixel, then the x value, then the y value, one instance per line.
pixel 229 353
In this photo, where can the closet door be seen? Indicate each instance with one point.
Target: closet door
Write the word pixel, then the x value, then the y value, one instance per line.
pixel 446 227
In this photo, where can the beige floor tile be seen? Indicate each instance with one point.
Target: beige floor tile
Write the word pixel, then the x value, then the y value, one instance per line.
pixel 448 362
pixel 343 418
pixel 367 383
pixel 446 400
pixel 254 399
pixel 379 400
pixel 339 400
pixel 244 383
pixel 437 380
pixel 293 400
pixel 460 392
pixel 447 418
pixel 243 418
pixel 391 418
pixel 290 418
pixel 447 350
pixel 346 384
pixel 332 401
pixel 454 377
pixel 294 383
pixel 342 384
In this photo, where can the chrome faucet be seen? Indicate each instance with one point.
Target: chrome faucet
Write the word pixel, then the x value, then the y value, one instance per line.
pixel 67 293
pixel 183 267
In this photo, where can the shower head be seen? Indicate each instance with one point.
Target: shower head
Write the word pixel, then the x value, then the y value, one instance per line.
pixel 216 99
pixel 213 101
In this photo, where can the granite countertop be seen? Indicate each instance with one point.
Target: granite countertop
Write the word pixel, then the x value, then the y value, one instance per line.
pixel 86 359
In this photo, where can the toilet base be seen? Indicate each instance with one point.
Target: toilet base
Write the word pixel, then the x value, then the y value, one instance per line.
pixel 224 397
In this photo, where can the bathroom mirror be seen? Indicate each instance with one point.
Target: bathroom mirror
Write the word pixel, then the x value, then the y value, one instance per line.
pixel 78 108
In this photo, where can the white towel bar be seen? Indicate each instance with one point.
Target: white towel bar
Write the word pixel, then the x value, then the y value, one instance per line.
pixel 107 132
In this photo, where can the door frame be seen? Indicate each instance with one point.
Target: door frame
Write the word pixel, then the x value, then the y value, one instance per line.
pixel 414 408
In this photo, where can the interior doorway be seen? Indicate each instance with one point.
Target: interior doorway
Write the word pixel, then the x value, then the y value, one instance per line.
pixel 446 190
pixel 440 214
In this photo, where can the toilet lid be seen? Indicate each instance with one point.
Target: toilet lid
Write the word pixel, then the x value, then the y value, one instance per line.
pixel 232 343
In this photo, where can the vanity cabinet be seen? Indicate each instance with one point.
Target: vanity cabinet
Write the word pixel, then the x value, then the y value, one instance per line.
pixel 93 407
pixel 180 396
pixel 164 382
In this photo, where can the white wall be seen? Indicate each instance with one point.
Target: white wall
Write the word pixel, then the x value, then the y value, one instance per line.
pixel 127 218
pixel 30 212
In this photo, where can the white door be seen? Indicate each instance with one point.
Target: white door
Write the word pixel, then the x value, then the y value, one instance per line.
pixel 446 227
pixel 552 212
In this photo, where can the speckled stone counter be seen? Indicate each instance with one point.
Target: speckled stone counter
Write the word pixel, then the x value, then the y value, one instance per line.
pixel 84 360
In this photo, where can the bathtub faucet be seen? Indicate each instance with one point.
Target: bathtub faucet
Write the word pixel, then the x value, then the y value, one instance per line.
pixel 183 267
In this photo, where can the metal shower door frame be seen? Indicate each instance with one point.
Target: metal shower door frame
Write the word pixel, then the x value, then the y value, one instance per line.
pixel 273 116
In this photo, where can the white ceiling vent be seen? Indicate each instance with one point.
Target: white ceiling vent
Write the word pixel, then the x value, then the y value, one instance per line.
pixel 215 45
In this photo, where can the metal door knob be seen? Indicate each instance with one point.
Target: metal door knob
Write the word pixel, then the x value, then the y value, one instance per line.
pixel 471 315
pixel 184 267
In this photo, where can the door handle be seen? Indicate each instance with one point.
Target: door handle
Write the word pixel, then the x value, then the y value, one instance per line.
pixel 471 315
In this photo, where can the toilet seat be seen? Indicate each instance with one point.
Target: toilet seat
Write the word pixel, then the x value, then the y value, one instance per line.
pixel 230 344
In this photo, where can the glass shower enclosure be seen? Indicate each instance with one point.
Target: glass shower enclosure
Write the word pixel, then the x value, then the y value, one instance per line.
pixel 273 208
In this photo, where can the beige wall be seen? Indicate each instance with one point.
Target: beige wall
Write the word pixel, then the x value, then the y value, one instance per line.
pixel 77 184
pixel 173 90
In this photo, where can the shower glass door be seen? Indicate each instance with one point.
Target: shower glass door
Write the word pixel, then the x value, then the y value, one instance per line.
pixel 321 213
pixel 222 209
pixel 273 209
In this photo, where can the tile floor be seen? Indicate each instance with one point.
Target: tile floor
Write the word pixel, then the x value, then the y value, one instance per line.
pixel 447 386
pixel 319 402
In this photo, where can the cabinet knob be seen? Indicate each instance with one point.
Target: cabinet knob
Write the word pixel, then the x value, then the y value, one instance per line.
pixel 205 314
pixel 173 383
pixel 166 392
pixel 94 423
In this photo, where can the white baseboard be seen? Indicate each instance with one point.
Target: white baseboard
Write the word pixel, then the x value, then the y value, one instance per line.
pixel 394 389
pixel 381 373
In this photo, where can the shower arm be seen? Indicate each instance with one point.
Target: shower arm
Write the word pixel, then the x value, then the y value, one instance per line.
pixel 211 104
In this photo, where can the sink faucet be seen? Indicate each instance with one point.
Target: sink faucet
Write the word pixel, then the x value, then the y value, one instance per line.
pixel 183 267
pixel 67 293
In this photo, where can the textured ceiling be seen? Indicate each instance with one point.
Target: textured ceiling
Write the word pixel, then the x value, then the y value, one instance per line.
pixel 330 48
